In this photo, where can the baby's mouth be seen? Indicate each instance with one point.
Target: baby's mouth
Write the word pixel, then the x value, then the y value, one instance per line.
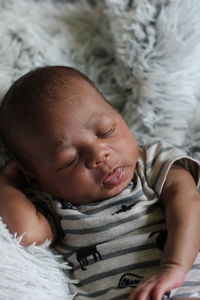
pixel 113 178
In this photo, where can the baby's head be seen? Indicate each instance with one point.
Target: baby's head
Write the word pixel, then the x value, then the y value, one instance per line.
pixel 67 138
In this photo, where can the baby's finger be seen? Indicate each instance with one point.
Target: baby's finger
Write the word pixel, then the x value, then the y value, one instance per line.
pixel 149 289
pixel 11 167
pixel 142 292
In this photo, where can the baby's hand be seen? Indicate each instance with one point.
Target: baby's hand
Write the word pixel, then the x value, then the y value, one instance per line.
pixel 13 173
pixel 167 277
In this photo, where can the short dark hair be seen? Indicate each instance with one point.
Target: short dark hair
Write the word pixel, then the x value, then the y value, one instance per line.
pixel 27 97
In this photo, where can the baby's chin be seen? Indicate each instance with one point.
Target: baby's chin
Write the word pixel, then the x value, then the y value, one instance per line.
pixel 117 190
pixel 103 194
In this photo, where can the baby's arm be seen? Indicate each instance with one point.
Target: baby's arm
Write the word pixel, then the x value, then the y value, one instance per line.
pixel 182 204
pixel 17 211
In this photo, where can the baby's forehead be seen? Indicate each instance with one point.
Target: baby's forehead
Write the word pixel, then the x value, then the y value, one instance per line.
pixel 79 95
pixel 79 100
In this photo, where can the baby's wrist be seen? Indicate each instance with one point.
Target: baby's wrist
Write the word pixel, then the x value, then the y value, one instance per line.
pixel 11 176
pixel 7 181
pixel 170 265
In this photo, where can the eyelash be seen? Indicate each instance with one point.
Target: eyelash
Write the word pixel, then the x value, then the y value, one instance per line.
pixel 75 159
pixel 108 133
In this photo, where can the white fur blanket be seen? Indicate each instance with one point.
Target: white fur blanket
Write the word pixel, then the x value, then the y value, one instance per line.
pixel 145 57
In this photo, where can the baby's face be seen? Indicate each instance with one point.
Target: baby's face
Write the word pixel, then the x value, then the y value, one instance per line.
pixel 87 153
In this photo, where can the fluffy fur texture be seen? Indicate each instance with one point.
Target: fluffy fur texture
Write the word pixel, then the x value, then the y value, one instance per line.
pixel 145 57
pixel 30 272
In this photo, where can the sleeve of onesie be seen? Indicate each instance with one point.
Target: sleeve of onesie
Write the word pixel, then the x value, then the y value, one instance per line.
pixel 159 157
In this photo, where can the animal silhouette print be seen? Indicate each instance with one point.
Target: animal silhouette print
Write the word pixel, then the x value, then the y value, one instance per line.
pixel 124 208
pixel 161 238
pixel 84 252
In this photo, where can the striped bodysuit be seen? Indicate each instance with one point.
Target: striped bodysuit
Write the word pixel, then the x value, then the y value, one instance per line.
pixel 112 244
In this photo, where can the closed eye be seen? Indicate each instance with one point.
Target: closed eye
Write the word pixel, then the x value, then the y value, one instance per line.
pixel 107 133
pixel 69 163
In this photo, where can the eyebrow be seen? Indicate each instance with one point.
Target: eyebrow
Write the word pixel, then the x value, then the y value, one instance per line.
pixel 95 118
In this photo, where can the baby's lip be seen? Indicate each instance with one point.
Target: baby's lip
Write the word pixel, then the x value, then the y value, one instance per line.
pixel 113 177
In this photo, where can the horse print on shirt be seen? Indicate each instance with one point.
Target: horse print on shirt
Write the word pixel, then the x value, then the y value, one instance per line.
pixel 83 253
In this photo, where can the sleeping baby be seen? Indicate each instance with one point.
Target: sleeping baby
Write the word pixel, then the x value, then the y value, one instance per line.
pixel 128 214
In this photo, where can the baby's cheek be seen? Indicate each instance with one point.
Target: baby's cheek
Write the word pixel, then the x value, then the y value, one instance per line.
pixel 81 179
pixel 55 185
pixel 129 147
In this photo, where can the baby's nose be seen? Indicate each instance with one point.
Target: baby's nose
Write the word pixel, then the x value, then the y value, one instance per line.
pixel 96 157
